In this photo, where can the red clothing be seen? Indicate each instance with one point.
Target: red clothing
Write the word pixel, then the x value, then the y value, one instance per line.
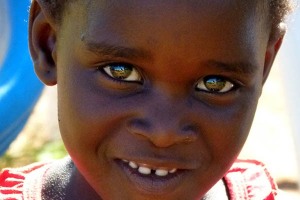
pixel 23 183
pixel 246 180
pixel 250 180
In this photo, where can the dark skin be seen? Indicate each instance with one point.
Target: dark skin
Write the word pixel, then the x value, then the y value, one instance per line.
pixel 173 90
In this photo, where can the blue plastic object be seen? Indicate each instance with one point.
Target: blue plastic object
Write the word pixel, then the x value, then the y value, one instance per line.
pixel 19 86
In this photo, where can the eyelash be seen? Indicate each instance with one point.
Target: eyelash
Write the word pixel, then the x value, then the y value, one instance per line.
pixel 108 72
pixel 227 85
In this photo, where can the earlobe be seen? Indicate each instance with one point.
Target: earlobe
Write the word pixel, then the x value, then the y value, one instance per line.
pixel 42 43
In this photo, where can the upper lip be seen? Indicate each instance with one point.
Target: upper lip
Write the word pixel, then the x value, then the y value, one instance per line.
pixel 154 158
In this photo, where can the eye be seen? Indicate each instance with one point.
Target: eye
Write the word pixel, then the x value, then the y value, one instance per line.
pixel 122 72
pixel 215 84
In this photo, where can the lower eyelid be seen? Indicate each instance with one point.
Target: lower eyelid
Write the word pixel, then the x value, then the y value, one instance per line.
pixel 113 86
pixel 115 80
pixel 234 86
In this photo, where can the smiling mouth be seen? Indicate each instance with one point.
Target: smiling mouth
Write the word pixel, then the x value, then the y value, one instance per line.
pixel 152 179
pixel 145 170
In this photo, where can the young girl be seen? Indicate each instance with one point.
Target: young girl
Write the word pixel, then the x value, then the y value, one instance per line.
pixel 155 98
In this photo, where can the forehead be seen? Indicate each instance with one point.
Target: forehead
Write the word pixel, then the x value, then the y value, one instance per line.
pixel 173 9
pixel 194 4
pixel 189 6
pixel 170 9
pixel 105 11
pixel 223 29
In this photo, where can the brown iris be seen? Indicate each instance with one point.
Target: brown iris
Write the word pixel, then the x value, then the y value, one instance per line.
pixel 120 71
pixel 214 84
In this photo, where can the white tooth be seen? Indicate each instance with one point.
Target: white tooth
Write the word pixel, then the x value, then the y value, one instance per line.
pixel 133 165
pixel 144 170
pixel 126 161
pixel 173 171
pixel 161 172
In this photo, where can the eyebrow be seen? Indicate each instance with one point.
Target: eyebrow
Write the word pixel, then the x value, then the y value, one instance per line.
pixel 110 50
pixel 246 68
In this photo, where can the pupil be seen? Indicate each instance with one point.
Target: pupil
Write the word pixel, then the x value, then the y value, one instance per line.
pixel 120 72
pixel 215 84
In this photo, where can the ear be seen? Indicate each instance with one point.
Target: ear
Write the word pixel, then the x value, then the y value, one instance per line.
pixel 42 42
pixel 273 47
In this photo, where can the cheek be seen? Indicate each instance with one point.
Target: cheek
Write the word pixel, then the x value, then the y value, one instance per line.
pixel 85 118
pixel 77 110
pixel 88 116
pixel 228 130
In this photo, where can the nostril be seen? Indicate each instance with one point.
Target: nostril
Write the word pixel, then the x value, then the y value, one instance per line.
pixel 190 128
pixel 189 133
pixel 162 134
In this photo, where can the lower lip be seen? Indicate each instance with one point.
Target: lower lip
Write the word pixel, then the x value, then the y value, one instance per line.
pixel 153 184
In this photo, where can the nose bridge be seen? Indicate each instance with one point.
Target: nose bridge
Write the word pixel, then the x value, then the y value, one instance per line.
pixel 166 106
pixel 164 120
pixel 166 110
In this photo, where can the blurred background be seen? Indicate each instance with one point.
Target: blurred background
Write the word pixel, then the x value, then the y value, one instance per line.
pixel 274 137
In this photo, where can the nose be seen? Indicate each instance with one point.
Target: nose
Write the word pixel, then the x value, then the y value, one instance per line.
pixel 164 122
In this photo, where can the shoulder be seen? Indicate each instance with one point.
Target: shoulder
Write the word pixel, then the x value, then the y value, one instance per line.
pixel 13 180
pixel 250 179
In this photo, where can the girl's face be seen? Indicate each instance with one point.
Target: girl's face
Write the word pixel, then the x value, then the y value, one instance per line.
pixel 156 98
